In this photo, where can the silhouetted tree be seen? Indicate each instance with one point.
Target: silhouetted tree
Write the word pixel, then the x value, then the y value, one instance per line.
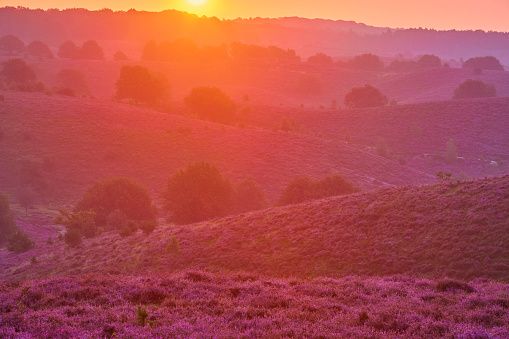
pixel 10 45
pixel 197 193
pixel 210 103
pixel 19 242
pixel 120 56
pixel 320 59
pixel 68 50
pixel 17 71
pixel 367 96
pixel 249 196
pixel 429 60
pixel 7 224
pixel 26 196
pixel 474 89
pixel 487 62
pixel 91 50
pixel 137 83
pixel 125 195
pixel 366 62
pixel 77 224
pixel 38 49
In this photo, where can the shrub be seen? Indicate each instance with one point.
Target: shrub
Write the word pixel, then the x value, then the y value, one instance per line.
pixel 7 224
pixel 210 103
pixel 367 96
pixel 10 44
pixel 474 89
pixel 72 237
pixel 249 196
pixel 137 83
pixel 147 226
pixel 20 242
pixel 320 59
pixel 91 50
pixel 125 195
pixel 429 60
pixel 81 221
pixel 486 62
pixel 74 80
pixel 120 56
pixel 17 71
pixel 68 50
pixel 197 193
pixel 38 49
pixel 366 62
pixel 303 188
pixel 26 197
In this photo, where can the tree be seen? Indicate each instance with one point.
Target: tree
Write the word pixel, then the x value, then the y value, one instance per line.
pixel 367 96
pixel 80 222
pixel 210 103
pixel 38 49
pixel 73 80
pixel 474 89
pixel 125 195
pixel 120 56
pixel 451 153
pixel 91 50
pixel 7 224
pixel 137 83
pixel 26 197
pixel 10 45
pixel 303 188
pixel 20 242
pixel 366 62
pixel 486 62
pixel 320 59
pixel 197 193
pixel 17 71
pixel 429 60
pixel 68 50
pixel 249 196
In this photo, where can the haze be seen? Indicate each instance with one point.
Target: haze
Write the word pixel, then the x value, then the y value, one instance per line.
pixel 443 15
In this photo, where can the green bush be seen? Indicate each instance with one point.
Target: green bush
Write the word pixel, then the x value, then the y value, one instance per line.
pixel 7 224
pixel 197 193
pixel 303 188
pixel 125 195
pixel 474 89
pixel 210 103
pixel 19 242
pixel 367 96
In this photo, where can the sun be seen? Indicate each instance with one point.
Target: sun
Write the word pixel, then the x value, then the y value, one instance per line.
pixel 196 2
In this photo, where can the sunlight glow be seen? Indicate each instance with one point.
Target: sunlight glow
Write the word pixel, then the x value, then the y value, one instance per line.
pixel 196 2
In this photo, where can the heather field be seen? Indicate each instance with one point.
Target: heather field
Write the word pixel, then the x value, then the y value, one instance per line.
pixel 195 304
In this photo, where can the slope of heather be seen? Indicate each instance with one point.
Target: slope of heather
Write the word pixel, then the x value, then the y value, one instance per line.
pixel 418 132
pixel 455 229
pixel 195 304
pixel 79 141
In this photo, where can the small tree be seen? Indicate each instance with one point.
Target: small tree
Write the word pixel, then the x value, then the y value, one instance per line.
pixel 429 60
pixel 120 56
pixel 81 221
pixel 211 103
pixel 73 80
pixel 125 195
pixel 20 242
pixel 320 59
pixel 451 153
pixel 487 62
pixel 249 196
pixel 197 193
pixel 91 50
pixel 27 197
pixel 38 49
pixel 7 224
pixel 474 89
pixel 10 45
pixel 366 62
pixel 73 237
pixel 137 83
pixel 367 96
pixel 17 71
pixel 69 50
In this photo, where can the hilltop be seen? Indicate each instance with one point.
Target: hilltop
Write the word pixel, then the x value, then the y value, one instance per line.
pixel 456 229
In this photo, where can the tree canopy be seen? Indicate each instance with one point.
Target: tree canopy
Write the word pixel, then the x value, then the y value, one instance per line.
pixel 474 89
pixel 211 103
pixel 367 96
pixel 137 83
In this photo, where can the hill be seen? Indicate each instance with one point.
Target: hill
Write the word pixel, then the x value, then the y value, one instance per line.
pixel 415 133
pixel 457 229
pixel 195 304
pixel 76 141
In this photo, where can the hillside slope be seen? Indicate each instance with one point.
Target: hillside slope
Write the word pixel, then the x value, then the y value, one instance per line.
pixel 78 141
pixel 455 229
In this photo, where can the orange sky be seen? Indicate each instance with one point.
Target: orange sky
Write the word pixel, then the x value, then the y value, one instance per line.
pixel 439 14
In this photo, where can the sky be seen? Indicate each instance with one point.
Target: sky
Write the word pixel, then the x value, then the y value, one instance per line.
pixel 438 14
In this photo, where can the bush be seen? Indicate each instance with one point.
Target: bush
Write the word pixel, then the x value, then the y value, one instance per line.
pixel 197 193
pixel 137 83
pixel 38 49
pixel 210 103
pixel 20 242
pixel 429 60
pixel 68 50
pixel 125 195
pixel 81 221
pixel 249 196
pixel 120 56
pixel 474 89
pixel 367 96
pixel 366 62
pixel 7 224
pixel 487 62
pixel 73 237
pixel 320 59
pixel 91 50
pixel 303 188
pixel 10 44
pixel 17 71
pixel 147 226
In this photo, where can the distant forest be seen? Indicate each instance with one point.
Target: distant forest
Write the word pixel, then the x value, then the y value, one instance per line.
pixel 306 36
